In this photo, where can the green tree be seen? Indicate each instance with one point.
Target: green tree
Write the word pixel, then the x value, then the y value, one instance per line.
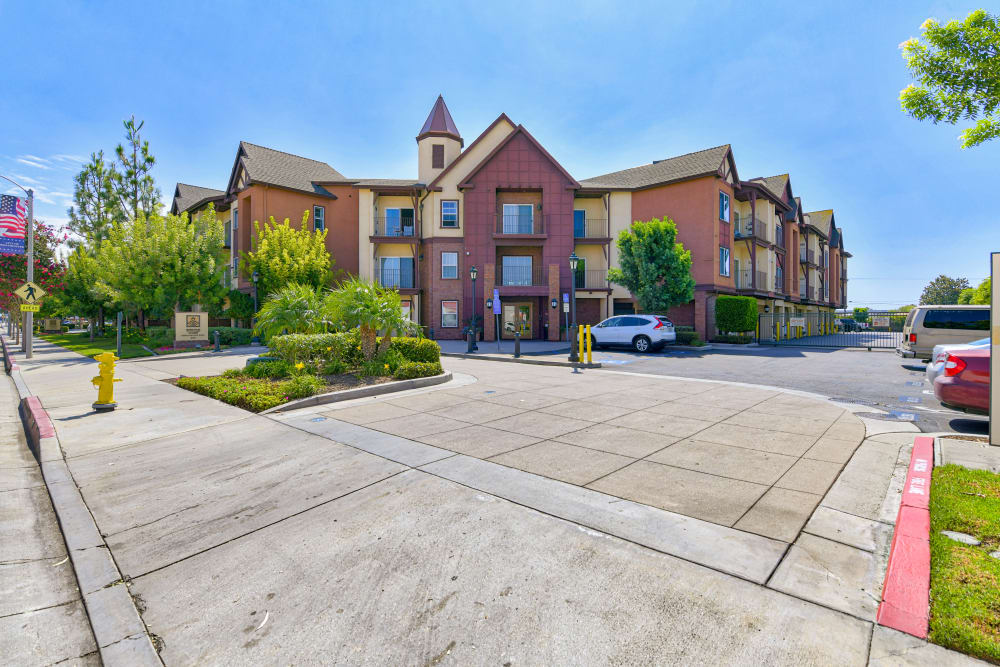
pixel 134 187
pixel 85 294
pixel 983 293
pixel 370 308
pixel 965 296
pixel 48 270
pixel 294 308
pixel 943 290
pixel 958 76
pixel 95 205
pixel 860 314
pixel 162 264
pixel 905 309
pixel 655 268
pixel 283 255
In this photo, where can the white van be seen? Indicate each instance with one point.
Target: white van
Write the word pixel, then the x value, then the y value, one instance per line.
pixel 927 326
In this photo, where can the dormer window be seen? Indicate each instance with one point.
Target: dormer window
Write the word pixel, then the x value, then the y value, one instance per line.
pixel 437 156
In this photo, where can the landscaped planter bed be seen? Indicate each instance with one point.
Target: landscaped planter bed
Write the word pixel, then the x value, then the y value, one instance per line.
pixel 259 394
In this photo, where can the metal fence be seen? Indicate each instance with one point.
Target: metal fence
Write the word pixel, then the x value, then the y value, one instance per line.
pixel 881 329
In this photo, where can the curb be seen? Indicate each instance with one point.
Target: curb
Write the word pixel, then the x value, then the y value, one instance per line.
pixel 361 392
pixel 906 591
pixel 119 631
pixel 520 360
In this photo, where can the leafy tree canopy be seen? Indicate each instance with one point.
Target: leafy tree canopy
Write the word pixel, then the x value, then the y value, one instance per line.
pixel 371 308
pixel 943 290
pixel 980 295
pixel 293 308
pixel 860 314
pixel 95 205
pixel 283 255
pixel 48 270
pixel 958 76
pixel 655 268
pixel 134 188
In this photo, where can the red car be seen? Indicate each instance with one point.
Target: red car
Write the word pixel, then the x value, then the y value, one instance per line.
pixel 965 382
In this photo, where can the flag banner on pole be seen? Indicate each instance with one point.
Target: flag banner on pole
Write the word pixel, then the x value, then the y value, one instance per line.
pixel 13 223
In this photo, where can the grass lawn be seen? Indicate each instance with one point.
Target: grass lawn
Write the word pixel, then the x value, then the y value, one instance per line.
pixel 81 344
pixel 965 580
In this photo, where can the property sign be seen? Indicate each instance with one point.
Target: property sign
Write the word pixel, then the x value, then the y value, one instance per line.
pixel 880 321
pixel 796 321
pixel 994 348
pixel 190 328
pixel 30 292
pixel 30 307
pixel 565 302
pixel 496 302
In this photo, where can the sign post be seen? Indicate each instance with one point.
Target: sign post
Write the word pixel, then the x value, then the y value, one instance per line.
pixel 29 317
pixel 994 348
pixel 496 314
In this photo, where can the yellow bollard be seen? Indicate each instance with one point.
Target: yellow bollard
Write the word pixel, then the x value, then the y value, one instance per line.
pixel 590 356
pixel 105 381
pixel 579 342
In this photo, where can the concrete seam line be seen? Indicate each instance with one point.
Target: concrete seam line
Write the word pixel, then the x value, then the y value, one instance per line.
pixel 77 524
pixel 906 589
pixel 361 392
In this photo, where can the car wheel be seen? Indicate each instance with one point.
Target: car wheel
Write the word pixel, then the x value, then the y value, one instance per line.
pixel 641 343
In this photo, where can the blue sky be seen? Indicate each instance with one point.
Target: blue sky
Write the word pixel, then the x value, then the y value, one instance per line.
pixel 805 88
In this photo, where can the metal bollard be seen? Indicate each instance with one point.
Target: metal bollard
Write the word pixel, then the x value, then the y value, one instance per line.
pixel 517 344
pixel 470 343
pixel 218 339
pixel 590 355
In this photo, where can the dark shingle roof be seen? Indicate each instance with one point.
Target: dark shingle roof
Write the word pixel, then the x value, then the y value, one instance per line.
pixel 385 182
pixel 439 122
pixel 776 184
pixel 266 165
pixel 186 196
pixel 662 171
pixel 820 220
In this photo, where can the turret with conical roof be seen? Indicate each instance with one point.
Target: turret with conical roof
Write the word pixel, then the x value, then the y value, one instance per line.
pixel 438 143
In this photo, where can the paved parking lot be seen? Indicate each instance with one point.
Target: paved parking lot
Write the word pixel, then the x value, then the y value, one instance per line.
pixel 753 459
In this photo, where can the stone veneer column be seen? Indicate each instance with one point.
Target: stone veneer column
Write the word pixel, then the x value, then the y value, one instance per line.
pixel 553 314
pixel 489 319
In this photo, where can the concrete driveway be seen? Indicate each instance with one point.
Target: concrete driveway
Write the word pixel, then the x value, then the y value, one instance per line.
pixel 362 536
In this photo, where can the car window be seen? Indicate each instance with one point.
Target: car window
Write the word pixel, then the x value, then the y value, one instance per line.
pixel 909 318
pixel 610 322
pixel 975 319
pixel 665 321
pixel 634 322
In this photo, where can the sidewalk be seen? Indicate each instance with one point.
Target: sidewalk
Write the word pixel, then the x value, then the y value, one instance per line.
pixel 528 347
pixel 362 539
pixel 42 617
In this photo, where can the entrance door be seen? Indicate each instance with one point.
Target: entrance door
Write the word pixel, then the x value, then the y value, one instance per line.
pixel 517 317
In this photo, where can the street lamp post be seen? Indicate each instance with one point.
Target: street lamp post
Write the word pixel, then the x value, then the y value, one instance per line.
pixel 473 273
pixel 574 261
pixel 253 320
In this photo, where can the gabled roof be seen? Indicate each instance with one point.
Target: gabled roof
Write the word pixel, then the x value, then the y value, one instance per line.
pixel 187 197
pixel 439 122
pixel 520 130
pixel 284 170
pixel 821 220
pixel 776 184
pixel 454 163
pixel 682 167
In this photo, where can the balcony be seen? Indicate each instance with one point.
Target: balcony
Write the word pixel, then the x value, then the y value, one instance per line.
pixel 779 283
pixel 591 228
pixel 779 236
pixel 393 227
pixel 742 278
pixel 520 225
pixel 396 278
pixel 520 276
pixel 227 239
pixel 746 226
pixel 762 281
pixel 806 256
pixel 802 288
pixel 592 279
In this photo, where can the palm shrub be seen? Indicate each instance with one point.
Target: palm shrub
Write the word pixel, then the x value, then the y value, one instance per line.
pixel 370 308
pixel 295 308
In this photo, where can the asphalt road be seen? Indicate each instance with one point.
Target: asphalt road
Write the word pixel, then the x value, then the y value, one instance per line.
pixel 879 378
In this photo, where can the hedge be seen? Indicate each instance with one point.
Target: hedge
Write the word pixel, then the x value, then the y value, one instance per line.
pixel 230 335
pixel 345 347
pixel 418 369
pixel 735 313
pixel 733 338
pixel 689 338
pixel 252 394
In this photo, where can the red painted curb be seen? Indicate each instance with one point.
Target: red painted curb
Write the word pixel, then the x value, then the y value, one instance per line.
pixel 906 590
pixel 40 417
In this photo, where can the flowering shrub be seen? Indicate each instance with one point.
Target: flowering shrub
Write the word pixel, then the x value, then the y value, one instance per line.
pixel 251 393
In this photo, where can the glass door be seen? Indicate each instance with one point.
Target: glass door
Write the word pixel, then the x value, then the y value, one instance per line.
pixel 517 317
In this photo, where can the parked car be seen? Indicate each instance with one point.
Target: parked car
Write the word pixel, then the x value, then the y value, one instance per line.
pixel 936 365
pixel 965 383
pixel 640 332
pixel 847 324
pixel 927 326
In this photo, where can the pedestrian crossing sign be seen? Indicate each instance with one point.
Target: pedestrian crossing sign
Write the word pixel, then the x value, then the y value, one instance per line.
pixel 30 292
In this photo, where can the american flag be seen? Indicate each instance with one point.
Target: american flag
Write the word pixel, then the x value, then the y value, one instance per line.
pixel 13 217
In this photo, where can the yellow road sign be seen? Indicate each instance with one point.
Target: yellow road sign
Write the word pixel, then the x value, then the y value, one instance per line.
pixel 30 292
pixel 30 307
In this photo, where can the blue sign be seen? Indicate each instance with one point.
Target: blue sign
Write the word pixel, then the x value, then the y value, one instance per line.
pixel 565 297
pixel 496 301
pixel 9 246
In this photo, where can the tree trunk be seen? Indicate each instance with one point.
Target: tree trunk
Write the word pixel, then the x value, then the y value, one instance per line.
pixel 100 323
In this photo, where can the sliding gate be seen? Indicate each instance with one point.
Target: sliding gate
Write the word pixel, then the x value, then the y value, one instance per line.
pixel 881 329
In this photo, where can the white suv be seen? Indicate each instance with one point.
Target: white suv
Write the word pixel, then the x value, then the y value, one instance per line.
pixel 640 332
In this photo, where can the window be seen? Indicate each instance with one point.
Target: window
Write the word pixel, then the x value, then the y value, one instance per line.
pixel 437 156
pixel 580 275
pixel 518 218
pixel 449 314
pixel 579 223
pixel 516 270
pixel 613 322
pixel 965 318
pixel 236 219
pixel 404 307
pixel 319 218
pixel 449 265
pixel 398 222
pixel 723 261
pixel 396 272
pixel 236 267
pixel 723 206
pixel 449 213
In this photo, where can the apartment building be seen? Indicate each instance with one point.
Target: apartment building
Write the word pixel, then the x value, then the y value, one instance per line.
pixel 505 207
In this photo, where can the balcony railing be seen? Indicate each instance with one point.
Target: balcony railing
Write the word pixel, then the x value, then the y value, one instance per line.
pixel 742 278
pixel 591 228
pixel 779 283
pixel 806 255
pixel 802 288
pixel 592 279
pixel 520 224
pixel 227 241
pixel 746 225
pixel 393 227
pixel 396 278
pixel 520 276
pixel 761 281
pixel 779 236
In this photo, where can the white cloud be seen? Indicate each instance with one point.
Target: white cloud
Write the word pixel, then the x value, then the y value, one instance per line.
pixel 35 158
pixel 69 158
pixel 32 163
pixel 27 179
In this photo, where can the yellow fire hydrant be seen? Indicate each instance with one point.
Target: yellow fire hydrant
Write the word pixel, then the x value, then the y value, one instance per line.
pixel 105 381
